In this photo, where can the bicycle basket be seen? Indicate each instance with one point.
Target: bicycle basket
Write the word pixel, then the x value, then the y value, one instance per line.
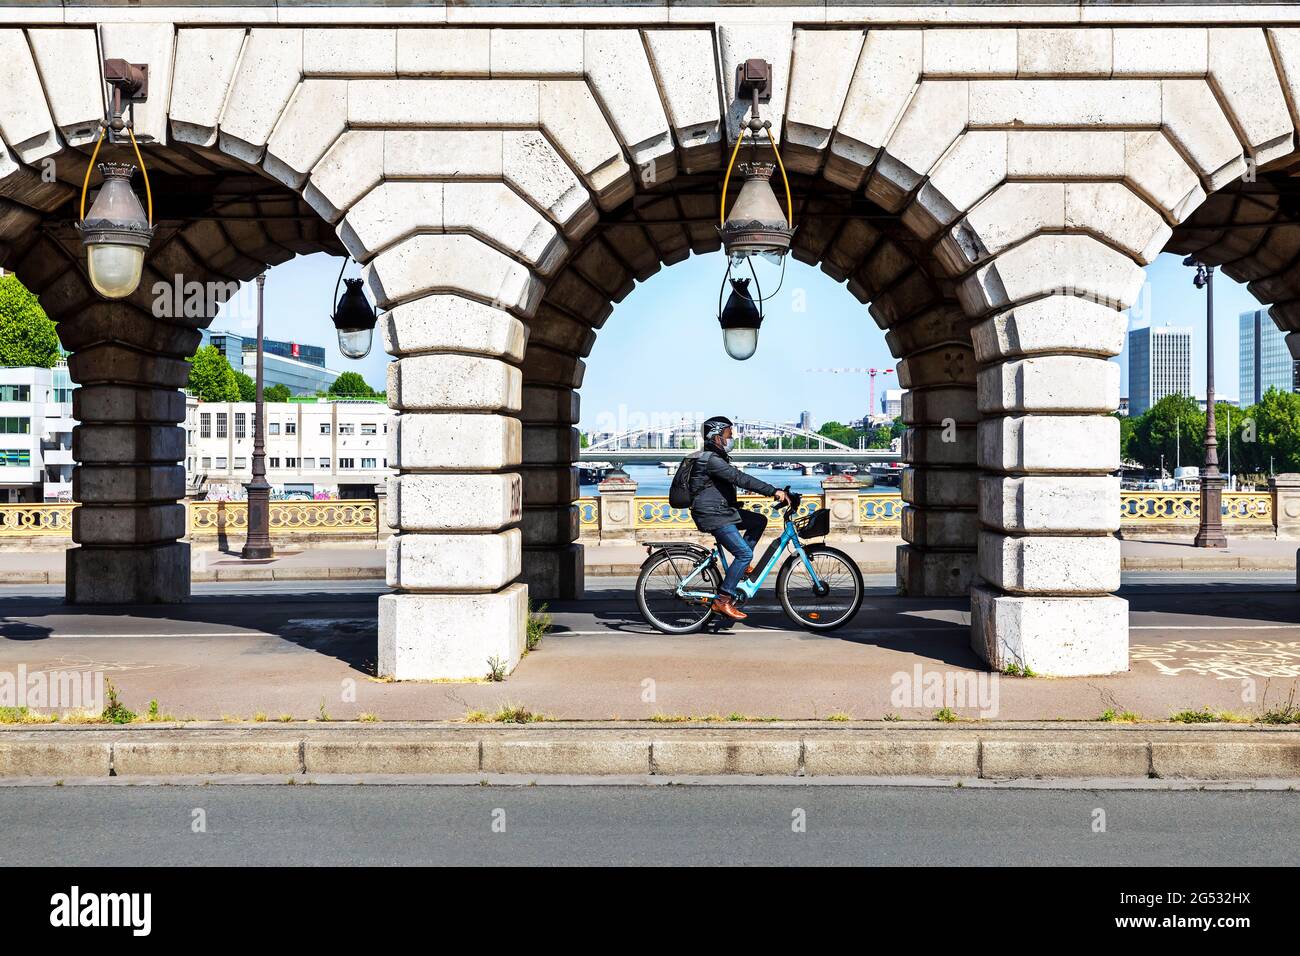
pixel 815 525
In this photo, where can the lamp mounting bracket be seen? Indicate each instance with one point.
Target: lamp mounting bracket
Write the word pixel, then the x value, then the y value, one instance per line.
pixel 128 84
pixel 129 80
pixel 754 80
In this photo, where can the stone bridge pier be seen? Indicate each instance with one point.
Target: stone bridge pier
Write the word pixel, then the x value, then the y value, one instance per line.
pixel 989 192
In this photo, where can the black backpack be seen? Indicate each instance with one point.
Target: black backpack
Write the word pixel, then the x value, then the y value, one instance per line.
pixel 682 492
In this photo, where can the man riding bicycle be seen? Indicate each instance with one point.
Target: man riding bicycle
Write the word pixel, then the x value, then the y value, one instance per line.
pixel 713 508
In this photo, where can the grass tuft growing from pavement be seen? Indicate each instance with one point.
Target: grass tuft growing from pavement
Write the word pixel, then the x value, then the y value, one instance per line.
pixel 839 715
pixel 1207 716
pixel 508 714
pixel 496 669
pixel 115 712
pixel 21 715
pixel 945 715
pixel 1112 716
pixel 1018 670
pixel 1288 713
pixel 539 623
pixel 155 714
pixel 516 714
pixel 1202 716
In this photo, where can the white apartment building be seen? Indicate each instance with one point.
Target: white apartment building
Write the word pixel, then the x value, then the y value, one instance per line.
pixel 334 448
pixel 35 435
pixel 1159 364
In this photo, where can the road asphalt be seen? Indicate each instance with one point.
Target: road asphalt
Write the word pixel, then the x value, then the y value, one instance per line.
pixel 1224 640
pixel 756 824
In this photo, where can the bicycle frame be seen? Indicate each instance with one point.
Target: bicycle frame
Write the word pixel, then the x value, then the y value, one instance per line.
pixel 748 588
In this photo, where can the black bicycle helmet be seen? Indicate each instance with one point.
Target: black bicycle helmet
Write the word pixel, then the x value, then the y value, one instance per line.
pixel 714 427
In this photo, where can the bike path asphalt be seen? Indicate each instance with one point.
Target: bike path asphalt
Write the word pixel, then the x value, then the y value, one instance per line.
pixel 308 651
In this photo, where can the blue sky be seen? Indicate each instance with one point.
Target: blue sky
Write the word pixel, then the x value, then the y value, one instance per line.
pixel 660 354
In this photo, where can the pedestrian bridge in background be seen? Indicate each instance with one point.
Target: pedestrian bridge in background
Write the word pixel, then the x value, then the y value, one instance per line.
pixel 640 456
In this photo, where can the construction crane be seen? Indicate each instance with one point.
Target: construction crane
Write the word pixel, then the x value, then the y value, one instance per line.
pixel 872 372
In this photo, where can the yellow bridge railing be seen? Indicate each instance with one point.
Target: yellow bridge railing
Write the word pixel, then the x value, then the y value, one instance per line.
pixel 315 517
pixel 1137 508
pixel 210 518
pixel 1184 507
pixel 1241 509
pixel 29 521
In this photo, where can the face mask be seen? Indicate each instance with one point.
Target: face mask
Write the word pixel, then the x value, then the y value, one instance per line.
pixel 729 444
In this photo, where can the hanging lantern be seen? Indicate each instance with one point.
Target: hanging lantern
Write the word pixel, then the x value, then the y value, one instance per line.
pixel 118 229
pixel 740 320
pixel 756 226
pixel 354 318
pixel 116 233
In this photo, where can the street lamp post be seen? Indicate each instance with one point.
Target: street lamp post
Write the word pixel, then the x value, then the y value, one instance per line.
pixel 257 546
pixel 1210 533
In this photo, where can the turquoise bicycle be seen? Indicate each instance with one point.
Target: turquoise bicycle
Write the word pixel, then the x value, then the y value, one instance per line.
pixel 819 587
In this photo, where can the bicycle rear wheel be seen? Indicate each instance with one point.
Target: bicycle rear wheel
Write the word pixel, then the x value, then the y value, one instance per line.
pixel 656 592
pixel 826 608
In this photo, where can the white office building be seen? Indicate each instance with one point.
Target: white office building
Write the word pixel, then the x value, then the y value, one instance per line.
pixel 1159 364
pixel 35 435
pixel 891 403
pixel 335 449
pixel 1267 366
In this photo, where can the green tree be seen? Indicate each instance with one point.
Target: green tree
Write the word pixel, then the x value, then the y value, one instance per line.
pixel 882 435
pixel 27 336
pixel 1274 424
pixel 1228 428
pixel 247 387
pixel 211 377
pixel 1173 427
pixel 1127 426
pixel 840 433
pixel 276 393
pixel 351 385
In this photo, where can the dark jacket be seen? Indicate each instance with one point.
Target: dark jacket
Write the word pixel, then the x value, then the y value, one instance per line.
pixel 714 488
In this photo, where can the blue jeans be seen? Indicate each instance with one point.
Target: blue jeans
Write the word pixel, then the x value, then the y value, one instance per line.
pixel 739 540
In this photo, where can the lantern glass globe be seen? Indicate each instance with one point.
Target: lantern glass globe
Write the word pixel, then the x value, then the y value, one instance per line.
pixel 114 268
pixel 355 343
pixel 740 343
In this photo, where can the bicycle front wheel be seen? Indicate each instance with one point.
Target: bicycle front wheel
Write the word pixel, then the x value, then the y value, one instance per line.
pixel 657 597
pixel 820 608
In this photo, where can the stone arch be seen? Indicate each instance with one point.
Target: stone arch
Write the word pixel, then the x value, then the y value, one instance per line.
pixel 855 242
pixel 480 172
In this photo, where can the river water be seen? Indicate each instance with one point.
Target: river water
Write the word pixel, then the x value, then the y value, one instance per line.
pixel 653 480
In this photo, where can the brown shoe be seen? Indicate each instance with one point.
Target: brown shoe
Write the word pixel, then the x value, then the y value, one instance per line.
pixel 726 606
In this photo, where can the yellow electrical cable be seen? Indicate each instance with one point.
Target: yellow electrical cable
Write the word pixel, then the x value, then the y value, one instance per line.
pixel 789 203
pixel 148 193
pixel 722 212
pixel 85 185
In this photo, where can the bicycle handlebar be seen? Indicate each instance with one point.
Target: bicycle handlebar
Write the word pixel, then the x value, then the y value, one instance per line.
pixel 793 500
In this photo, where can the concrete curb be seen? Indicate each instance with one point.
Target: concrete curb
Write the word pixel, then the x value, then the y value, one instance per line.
pixel 1002 751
